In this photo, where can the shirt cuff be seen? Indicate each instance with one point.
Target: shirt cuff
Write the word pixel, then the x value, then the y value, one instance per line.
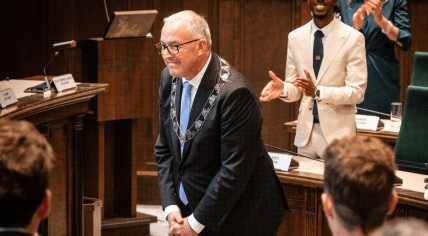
pixel 169 209
pixel 195 225
pixel 284 94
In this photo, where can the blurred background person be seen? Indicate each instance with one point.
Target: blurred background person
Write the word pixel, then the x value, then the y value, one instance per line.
pixel 403 227
pixel 358 193
pixel 25 164
pixel 384 24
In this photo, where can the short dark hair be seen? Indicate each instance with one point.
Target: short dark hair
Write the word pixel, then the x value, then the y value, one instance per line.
pixel 25 163
pixel 359 176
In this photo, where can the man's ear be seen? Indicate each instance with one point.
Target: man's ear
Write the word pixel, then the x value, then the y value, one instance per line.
pixel 202 44
pixel 327 205
pixel 393 202
pixel 45 207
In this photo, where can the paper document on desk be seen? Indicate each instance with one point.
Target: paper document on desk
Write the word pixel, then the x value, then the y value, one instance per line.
pixel 18 86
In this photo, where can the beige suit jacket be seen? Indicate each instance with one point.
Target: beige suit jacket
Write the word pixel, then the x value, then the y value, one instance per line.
pixel 342 81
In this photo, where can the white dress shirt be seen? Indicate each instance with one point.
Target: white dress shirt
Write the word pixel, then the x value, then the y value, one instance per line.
pixel 195 82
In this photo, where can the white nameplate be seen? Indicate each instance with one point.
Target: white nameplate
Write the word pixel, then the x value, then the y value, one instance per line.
pixel 367 122
pixel 280 161
pixel 7 98
pixel 64 82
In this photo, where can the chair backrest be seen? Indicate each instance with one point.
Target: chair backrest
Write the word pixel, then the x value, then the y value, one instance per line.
pixel 420 70
pixel 412 141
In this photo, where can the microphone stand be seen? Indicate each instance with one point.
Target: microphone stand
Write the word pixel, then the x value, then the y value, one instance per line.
pixel 48 84
pixel 43 87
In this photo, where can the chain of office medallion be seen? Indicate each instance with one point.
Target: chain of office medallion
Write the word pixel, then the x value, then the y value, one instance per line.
pixel 212 99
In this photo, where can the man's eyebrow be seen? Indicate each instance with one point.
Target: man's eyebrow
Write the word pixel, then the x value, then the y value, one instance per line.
pixel 170 43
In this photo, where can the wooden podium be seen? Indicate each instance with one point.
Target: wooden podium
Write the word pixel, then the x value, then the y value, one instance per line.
pixel 59 118
pixel 118 129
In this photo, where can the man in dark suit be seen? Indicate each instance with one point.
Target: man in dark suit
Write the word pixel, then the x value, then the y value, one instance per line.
pixel 25 164
pixel 215 175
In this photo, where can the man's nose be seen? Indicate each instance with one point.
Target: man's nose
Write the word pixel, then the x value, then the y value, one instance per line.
pixel 166 53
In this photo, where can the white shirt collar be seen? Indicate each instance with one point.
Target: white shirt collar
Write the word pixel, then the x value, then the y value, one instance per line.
pixel 198 78
pixel 326 30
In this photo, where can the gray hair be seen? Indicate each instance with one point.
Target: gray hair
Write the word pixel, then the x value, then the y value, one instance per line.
pixel 196 24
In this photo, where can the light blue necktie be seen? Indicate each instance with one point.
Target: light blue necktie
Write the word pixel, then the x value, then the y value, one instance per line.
pixel 184 119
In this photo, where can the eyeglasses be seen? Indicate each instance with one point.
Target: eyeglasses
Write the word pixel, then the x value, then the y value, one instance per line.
pixel 172 49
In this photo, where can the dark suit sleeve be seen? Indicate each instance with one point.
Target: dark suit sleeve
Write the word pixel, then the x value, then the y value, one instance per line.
pixel 164 157
pixel 240 144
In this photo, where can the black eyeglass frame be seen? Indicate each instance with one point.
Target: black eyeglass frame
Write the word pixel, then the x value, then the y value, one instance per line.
pixel 162 47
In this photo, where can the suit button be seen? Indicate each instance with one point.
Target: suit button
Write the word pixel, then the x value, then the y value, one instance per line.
pixel 181 173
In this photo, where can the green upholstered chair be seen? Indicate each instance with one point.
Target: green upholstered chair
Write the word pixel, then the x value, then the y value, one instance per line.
pixel 412 142
pixel 420 70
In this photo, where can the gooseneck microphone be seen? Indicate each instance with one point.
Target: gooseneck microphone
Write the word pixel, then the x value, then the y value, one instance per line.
pixel 380 113
pixel 44 72
pixel 65 45
pixel 105 5
pixel 294 153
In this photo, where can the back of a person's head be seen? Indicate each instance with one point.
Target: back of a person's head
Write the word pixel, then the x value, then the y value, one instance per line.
pixel 25 163
pixel 359 177
pixel 403 227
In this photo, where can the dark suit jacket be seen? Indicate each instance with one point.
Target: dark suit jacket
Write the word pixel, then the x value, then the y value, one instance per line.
pixel 13 233
pixel 227 174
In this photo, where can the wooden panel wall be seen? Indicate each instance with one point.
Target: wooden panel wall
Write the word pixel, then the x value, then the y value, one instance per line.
pixel 250 34
pixel 419 29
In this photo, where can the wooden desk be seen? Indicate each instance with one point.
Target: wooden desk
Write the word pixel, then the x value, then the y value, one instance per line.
pixel 303 188
pixel 385 134
pixel 59 118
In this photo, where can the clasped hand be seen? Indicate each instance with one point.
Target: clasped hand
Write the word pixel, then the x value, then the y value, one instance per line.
pixel 179 226
pixel 371 6
pixel 306 85
pixel 275 88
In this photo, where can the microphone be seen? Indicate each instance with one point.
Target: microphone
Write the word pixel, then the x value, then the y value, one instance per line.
pixel 65 45
pixel 294 153
pixel 105 4
pixel 44 71
pixel 43 87
pixel 380 113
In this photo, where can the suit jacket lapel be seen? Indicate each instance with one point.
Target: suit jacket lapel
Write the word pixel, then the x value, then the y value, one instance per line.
pixel 207 84
pixel 337 39
pixel 304 41
pixel 175 140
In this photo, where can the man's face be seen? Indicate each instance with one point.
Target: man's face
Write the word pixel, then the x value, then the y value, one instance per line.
pixel 321 9
pixel 185 62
